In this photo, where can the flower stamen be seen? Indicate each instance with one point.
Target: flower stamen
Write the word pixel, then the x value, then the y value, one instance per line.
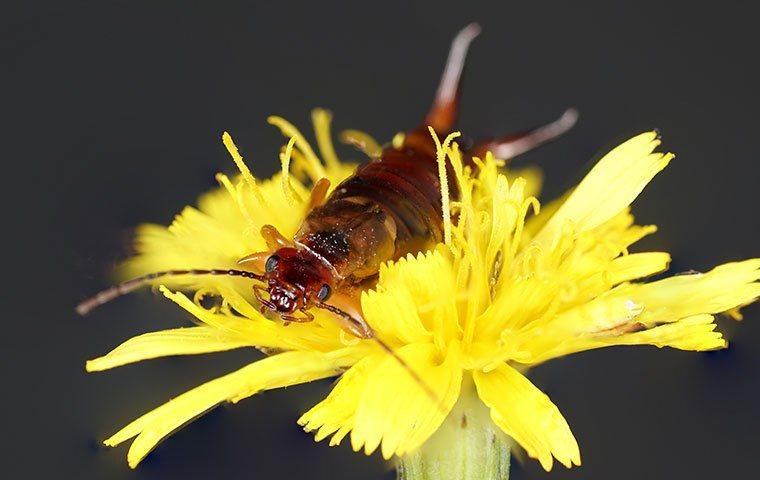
pixel 244 170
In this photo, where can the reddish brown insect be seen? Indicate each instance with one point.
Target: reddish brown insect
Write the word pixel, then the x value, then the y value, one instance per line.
pixel 390 207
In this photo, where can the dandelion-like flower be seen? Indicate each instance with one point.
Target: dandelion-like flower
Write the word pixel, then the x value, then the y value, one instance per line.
pixel 514 285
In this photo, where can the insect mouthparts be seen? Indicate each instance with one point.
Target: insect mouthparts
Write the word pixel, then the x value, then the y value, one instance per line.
pixel 283 300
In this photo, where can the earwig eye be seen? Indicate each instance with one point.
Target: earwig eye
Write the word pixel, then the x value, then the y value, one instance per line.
pixel 271 263
pixel 324 292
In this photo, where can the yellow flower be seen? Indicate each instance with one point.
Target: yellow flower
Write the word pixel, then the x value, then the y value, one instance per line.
pixel 511 288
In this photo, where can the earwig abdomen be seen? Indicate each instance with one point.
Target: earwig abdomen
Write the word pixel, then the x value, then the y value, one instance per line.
pixel 390 207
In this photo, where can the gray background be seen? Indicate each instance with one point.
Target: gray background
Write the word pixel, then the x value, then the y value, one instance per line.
pixel 112 115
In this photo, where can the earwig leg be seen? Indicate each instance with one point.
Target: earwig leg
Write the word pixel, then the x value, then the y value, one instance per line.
pixel 443 113
pixel 275 240
pixel 515 144
pixel 319 193
pixel 256 260
pixel 308 317
pixel 292 318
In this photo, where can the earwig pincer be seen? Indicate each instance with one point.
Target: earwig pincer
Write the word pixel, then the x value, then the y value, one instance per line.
pixel 391 206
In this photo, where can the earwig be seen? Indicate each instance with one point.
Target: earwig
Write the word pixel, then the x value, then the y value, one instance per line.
pixel 390 207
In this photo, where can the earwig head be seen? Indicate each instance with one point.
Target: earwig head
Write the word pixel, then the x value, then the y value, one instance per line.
pixel 296 280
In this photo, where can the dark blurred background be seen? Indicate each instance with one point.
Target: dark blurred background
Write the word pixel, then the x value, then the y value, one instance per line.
pixel 112 115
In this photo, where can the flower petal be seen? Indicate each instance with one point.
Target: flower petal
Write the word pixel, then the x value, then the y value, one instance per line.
pixel 406 304
pixel 337 412
pixel 527 415
pixel 609 187
pixel 723 288
pixel 696 333
pixel 578 269
pixel 322 334
pixel 258 331
pixel 617 316
pixel 636 265
pixel 396 413
pixel 281 370
pixel 178 341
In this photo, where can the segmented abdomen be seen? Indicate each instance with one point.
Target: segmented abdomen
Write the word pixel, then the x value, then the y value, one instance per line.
pixel 391 206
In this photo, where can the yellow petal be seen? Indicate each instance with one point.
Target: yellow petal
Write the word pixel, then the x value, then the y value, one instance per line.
pixel 696 333
pixel 616 316
pixel 527 415
pixel 536 223
pixel 723 288
pixel 258 331
pixel 609 187
pixel 336 413
pixel 321 334
pixel 637 265
pixel 406 304
pixel 579 269
pixel 178 341
pixel 396 413
pixel 273 372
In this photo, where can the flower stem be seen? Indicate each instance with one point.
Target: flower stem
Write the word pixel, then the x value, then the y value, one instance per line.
pixel 467 446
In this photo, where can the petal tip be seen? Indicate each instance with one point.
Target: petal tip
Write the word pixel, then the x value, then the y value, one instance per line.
pixel 546 462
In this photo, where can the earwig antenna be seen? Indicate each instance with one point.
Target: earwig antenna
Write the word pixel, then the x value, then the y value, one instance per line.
pixel 437 401
pixel 131 285
pixel 365 331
